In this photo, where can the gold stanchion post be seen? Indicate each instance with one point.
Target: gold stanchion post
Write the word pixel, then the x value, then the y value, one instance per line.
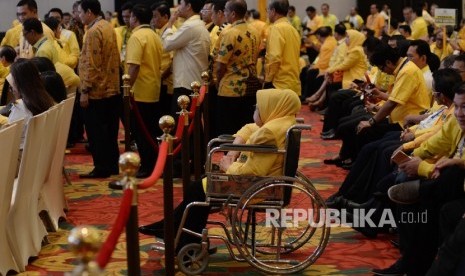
pixel 206 108
pixel 167 124
pixel 183 102
pixel 197 128
pixel 127 112
pixel 84 242
pixel 129 163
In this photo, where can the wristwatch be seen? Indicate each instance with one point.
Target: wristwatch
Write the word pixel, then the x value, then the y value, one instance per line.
pixel 372 121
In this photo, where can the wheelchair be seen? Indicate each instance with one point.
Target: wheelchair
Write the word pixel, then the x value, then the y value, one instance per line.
pixel 276 224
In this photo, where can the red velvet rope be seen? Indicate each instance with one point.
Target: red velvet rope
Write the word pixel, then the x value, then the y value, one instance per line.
pixel 108 247
pixel 141 124
pixel 159 167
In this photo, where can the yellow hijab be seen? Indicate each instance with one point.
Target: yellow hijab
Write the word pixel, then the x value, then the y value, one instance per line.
pixel 277 103
pixel 356 39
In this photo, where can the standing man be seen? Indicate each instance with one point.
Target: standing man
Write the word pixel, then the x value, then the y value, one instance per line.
pixel 144 52
pixel 161 15
pixel 375 21
pixel 99 72
pixel 66 39
pixel 295 20
pixel 123 33
pixel 192 44
pixel 329 19
pixel 235 62
pixel 76 25
pixel 25 9
pixel 282 67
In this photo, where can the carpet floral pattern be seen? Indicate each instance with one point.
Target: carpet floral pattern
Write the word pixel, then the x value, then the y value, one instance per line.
pixel 91 202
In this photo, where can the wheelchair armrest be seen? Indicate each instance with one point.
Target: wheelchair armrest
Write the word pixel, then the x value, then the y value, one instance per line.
pixel 252 148
pixel 226 137
pixel 300 120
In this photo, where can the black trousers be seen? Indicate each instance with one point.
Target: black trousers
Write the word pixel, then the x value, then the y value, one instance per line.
pixel 76 128
pixel 372 164
pixel 419 239
pixel 451 255
pixel 232 113
pixel 310 82
pixel 165 100
pixel 150 113
pixel 101 118
pixel 340 104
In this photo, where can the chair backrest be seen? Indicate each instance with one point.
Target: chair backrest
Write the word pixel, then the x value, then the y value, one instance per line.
pixel 53 200
pixel 10 138
pixel 291 157
pixel 25 229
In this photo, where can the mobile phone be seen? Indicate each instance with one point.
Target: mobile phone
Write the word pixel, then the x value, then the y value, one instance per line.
pixel 400 157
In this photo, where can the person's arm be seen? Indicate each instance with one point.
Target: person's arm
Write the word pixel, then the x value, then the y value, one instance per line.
pixel 220 71
pixel 74 49
pixel 133 71
pixel 349 61
pixel 274 54
pixel 382 113
pixel 176 40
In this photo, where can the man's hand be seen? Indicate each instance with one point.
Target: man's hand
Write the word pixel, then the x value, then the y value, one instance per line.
pixel 84 100
pixel 362 125
pixel 410 168
pixel 446 162
pixel 407 136
pixel 173 18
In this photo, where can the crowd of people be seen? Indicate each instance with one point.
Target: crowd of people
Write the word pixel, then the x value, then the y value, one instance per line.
pixel 390 88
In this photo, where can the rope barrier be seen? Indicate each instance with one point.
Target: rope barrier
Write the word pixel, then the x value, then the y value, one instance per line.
pixel 142 125
pixel 108 247
pixel 159 167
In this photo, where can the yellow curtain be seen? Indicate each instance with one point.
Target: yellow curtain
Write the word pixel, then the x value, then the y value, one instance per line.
pixel 262 9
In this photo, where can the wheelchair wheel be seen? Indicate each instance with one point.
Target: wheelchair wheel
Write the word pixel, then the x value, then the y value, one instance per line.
pixel 280 236
pixel 191 259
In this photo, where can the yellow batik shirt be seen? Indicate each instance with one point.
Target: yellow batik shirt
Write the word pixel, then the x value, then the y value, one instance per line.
pixel 238 50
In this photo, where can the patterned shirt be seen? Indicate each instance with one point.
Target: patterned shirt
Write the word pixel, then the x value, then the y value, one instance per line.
pixel 238 50
pixel 99 63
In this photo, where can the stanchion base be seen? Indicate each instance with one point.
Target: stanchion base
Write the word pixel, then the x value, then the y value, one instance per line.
pixel 115 185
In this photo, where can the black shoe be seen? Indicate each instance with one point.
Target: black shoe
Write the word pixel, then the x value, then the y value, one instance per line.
pixel 397 268
pixel 95 174
pixel 334 203
pixel 149 231
pixel 395 242
pixel 336 161
pixel 367 231
pixel 329 135
pixel 143 174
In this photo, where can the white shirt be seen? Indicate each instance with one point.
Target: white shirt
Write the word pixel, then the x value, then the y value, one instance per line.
pixel 191 43
pixel 428 76
pixel 19 111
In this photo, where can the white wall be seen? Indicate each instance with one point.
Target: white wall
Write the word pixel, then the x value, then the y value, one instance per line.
pixel 8 9
pixel 339 7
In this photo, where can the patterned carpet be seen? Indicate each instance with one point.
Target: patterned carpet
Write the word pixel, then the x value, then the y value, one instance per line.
pixel 92 203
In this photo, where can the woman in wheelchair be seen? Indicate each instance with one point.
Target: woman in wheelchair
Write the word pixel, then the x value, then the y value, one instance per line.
pixel 275 113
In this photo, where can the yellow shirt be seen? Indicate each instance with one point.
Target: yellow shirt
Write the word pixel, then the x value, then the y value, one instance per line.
pixel 166 61
pixel 296 23
pixel 4 71
pixel 330 20
pixel 282 56
pixel 409 92
pixel 239 51
pixel 70 46
pixel 376 23
pixel 67 74
pixel 25 49
pixel 440 52
pixel 122 36
pixel 356 20
pixel 99 62
pixel 145 49
pixel 315 23
pixel 46 48
pixel 419 28
pixel 326 52
pixel 461 39
pixel 442 144
pixel 339 53
pixel 423 134
pixel 12 36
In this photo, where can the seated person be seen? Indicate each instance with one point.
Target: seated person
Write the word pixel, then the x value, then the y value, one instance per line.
pixel 274 115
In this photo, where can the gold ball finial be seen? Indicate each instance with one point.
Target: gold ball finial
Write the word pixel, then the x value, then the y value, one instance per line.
pixel 195 85
pixel 84 241
pixel 205 76
pixel 126 78
pixel 129 162
pixel 166 123
pixel 183 102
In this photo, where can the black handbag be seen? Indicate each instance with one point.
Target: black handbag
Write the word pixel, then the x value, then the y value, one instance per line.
pixel 253 84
